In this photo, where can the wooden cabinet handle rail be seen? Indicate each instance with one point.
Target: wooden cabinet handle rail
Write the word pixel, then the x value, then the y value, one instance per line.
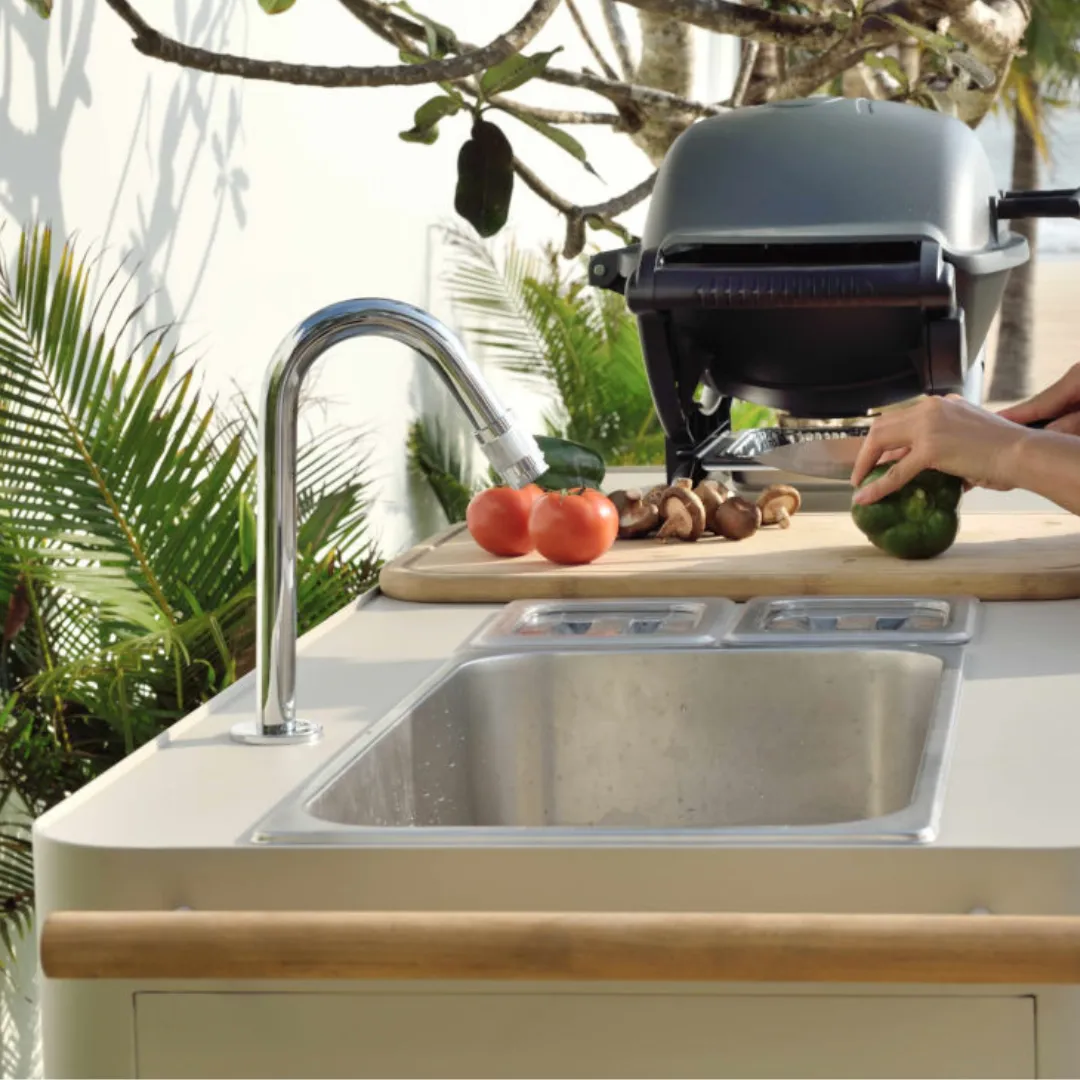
pixel 571 946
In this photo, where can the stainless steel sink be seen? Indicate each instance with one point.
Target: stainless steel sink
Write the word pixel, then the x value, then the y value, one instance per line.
pixel 684 745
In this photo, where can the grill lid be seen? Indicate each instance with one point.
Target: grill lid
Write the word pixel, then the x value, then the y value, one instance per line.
pixel 828 169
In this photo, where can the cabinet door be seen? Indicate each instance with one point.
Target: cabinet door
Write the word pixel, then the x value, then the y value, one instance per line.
pixel 514 1034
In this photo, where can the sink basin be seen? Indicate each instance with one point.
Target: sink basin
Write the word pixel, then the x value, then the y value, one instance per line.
pixel 677 745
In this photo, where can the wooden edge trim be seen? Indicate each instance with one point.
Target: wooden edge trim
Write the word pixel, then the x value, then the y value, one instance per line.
pixel 664 947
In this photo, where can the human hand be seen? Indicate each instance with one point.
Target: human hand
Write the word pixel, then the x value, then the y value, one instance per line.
pixel 948 434
pixel 1059 403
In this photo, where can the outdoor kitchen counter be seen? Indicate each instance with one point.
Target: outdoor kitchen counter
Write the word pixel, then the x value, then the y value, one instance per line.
pixel 168 828
pixel 182 807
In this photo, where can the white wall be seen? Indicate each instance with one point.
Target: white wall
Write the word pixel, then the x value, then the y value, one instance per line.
pixel 249 205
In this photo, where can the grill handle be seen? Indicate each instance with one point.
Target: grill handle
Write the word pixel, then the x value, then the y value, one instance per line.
pixel 926 282
pixel 1062 203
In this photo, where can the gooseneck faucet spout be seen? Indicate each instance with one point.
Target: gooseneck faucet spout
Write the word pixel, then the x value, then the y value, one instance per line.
pixel 513 453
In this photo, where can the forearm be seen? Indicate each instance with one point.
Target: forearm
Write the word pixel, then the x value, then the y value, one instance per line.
pixel 1048 463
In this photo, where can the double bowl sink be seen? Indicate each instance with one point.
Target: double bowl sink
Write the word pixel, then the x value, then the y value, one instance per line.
pixel 784 721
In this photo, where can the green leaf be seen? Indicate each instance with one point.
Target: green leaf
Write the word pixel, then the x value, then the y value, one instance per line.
pixel 889 64
pixel 485 179
pixel 558 136
pixel 425 136
pixel 426 118
pixel 925 100
pixel 937 43
pixel 433 458
pixel 276 7
pixel 247 530
pixel 440 39
pixel 42 7
pixel 747 414
pixel 513 72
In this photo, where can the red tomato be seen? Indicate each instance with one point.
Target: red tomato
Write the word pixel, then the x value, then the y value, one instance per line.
pixel 530 493
pixel 612 520
pixel 498 519
pixel 574 528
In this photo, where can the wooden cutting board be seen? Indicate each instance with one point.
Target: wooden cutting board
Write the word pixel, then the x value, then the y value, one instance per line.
pixel 1024 556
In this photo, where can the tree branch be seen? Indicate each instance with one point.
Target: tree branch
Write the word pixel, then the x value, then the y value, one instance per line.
pixel 538 112
pixel 577 216
pixel 387 24
pixel 994 31
pixel 554 116
pixel 590 41
pixel 153 43
pixel 993 28
pixel 629 96
pixel 751 23
pixel 746 70
pixel 617 33
pixel 630 93
pixel 803 80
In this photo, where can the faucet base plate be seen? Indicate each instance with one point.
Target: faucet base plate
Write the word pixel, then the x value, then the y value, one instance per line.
pixel 299 731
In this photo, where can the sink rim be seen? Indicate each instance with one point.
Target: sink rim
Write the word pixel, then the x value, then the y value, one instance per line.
pixel 290 822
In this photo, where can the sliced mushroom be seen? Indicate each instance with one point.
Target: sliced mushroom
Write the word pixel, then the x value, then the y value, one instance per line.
pixel 737 518
pixel 636 516
pixel 777 504
pixel 683 513
pixel 712 495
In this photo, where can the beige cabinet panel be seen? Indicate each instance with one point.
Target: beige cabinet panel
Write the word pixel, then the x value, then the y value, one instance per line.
pixel 577 1035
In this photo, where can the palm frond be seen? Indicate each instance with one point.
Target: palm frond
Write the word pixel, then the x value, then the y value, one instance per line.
pixel 16 883
pixel 541 320
pixel 127 532
pixel 1046 76
pixel 488 292
pixel 432 457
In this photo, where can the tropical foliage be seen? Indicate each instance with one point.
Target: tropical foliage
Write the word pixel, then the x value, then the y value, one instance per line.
pixel 127 537
pixel 536 315
pixel 1047 73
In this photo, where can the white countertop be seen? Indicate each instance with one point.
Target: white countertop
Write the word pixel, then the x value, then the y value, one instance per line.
pixel 1014 781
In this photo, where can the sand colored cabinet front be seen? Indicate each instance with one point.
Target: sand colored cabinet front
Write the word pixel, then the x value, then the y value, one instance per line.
pixel 573 1034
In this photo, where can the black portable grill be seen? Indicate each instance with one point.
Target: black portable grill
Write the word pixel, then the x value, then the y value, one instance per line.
pixel 826 257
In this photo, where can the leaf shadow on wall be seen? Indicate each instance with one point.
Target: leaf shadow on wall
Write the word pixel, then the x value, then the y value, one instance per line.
pixel 201 115
pixel 31 158
pixel 186 133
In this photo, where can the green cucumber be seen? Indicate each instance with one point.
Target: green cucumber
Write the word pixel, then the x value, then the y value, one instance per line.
pixel 570 464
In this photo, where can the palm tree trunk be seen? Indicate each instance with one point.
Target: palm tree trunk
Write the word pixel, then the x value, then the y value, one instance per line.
pixel 1016 336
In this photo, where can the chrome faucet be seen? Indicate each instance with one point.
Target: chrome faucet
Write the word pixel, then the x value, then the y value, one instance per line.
pixel 513 453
